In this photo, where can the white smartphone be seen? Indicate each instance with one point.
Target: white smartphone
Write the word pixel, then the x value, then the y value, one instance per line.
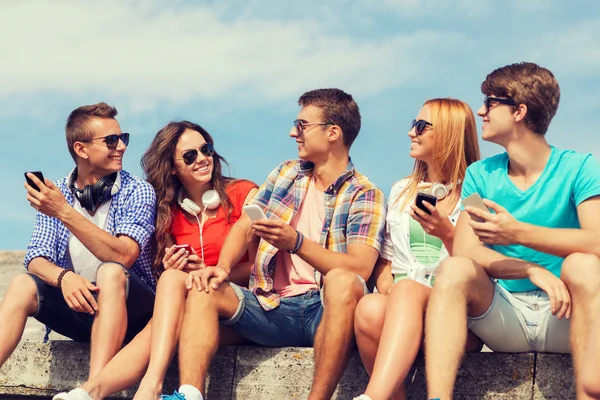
pixel 254 212
pixel 475 201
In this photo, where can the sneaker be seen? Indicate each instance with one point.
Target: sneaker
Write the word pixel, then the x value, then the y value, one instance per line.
pixel 175 396
pixel 362 397
pixel 75 394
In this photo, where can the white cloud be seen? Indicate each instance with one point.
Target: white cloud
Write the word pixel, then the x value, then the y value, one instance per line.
pixel 152 53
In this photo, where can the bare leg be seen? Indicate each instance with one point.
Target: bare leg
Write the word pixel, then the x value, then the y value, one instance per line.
pixel 110 321
pixel 169 307
pixel 335 334
pixel 199 338
pixel 581 274
pixel 19 302
pixel 400 340
pixel 124 370
pixel 460 285
pixel 590 377
pixel 368 324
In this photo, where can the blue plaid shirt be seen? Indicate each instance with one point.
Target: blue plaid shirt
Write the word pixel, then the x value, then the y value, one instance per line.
pixel 131 213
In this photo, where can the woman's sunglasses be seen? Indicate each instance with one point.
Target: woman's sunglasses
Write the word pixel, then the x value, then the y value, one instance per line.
pixel 190 156
pixel 420 126
pixel 112 141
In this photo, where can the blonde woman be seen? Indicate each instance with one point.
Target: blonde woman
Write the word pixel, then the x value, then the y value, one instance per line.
pixel 389 324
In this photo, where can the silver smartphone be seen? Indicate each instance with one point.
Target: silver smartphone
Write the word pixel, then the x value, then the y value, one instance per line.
pixel 254 212
pixel 475 201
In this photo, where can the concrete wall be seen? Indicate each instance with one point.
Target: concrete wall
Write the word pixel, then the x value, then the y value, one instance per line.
pixel 248 373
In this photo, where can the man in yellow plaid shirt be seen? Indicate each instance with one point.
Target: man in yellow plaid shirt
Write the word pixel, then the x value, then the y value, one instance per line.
pixel 318 244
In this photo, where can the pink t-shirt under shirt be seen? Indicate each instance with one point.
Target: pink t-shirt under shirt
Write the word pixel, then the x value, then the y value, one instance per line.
pixel 293 276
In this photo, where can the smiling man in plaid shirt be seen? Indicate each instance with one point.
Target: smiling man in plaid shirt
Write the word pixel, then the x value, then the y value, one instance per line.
pixel 319 243
pixel 89 256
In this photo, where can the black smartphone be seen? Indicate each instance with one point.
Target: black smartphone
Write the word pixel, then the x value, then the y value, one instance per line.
pixel 39 175
pixel 421 197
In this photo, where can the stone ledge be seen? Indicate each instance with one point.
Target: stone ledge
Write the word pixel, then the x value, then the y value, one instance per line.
pixel 246 372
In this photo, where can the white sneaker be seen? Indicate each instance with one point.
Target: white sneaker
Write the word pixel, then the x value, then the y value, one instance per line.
pixel 362 397
pixel 75 394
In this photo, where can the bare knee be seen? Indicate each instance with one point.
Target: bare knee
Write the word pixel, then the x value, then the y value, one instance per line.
pixel 22 293
pixel 369 315
pixel 410 293
pixel 172 278
pixel 456 274
pixel 111 274
pixel 581 273
pixel 342 289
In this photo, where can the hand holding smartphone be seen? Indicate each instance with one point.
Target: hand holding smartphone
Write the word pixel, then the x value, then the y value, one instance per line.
pixel 38 174
pixel 475 201
pixel 254 212
pixel 421 197
pixel 187 247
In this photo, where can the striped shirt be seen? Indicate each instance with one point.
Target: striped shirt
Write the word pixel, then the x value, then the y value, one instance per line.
pixel 355 212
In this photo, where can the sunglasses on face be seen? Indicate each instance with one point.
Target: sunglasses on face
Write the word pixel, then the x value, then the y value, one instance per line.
pixel 300 125
pixel 190 156
pixel 420 125
pixel 489 102
pixel 112 141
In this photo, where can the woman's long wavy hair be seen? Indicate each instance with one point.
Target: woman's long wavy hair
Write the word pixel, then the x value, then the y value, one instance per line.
pixel 455 146
pixel 157 164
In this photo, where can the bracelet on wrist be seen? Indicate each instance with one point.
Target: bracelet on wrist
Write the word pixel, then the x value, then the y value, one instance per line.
pixel 60 277
pixel 298 244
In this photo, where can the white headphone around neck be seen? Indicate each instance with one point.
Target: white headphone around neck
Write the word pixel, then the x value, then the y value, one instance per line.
pixel 210 200
pixel 440 190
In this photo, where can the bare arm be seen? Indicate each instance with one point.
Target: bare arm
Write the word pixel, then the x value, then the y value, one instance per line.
pixel 238 240
pixel 100 243
pixel 360 258
pixel 466 244
pixel 382 274
pixel 563 242
pixel 45 269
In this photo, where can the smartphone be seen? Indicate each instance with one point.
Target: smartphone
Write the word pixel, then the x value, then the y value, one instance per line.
pixel 254 212
pixel 421 197
pixel 183 246
pixel 39 175
pixel 475 201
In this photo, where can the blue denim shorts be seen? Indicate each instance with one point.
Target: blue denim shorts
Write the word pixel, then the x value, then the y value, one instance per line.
pixel 54 312
pixel 293 323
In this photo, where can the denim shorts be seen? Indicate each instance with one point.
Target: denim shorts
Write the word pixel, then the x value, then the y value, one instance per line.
pixel 54 312
pixel 293 323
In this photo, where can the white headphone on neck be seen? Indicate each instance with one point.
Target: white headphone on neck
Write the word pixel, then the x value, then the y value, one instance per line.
pixel 210 200
pixel 440 190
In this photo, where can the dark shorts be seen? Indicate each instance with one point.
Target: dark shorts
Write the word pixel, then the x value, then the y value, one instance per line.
pixel 54 312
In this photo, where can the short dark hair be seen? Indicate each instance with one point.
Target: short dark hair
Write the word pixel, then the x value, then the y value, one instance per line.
pixel 527 83
pixel 338 107
pixel 77 128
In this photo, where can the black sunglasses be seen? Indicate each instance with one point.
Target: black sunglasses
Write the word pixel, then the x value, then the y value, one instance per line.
pixel 300 125
pixel 112 141
pixel 420 125
pixel 190 156
pixel 489 100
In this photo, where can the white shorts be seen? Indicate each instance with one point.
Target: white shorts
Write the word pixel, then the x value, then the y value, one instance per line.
pixel 520 322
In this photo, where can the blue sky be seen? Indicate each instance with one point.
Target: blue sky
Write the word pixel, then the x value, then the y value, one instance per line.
pixel 238 68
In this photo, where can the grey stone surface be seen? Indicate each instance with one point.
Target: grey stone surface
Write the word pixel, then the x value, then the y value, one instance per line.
pixel 554 377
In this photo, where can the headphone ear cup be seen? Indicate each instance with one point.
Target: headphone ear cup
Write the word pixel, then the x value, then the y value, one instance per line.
pixel 87 198
pixel 189 206
pixel 439 190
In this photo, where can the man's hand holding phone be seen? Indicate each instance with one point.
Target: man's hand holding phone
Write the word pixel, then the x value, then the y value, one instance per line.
pixel 500 228
pixel 77 292
pixel 48 199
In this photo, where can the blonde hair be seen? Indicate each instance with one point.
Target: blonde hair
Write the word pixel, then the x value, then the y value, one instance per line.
pixel 455 146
